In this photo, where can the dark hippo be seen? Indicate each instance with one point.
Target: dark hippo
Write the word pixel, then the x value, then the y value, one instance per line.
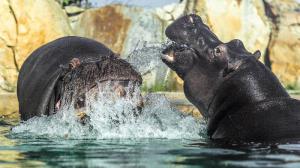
pixel 241 98
pixel 70 63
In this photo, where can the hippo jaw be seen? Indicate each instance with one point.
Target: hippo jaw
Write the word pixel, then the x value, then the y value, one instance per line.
pixel 192 41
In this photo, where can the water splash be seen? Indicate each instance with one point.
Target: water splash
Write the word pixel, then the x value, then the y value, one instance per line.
pixel 146 57
pixel 116 118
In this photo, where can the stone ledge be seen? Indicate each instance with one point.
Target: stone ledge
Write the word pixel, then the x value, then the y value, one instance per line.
pixel 9 106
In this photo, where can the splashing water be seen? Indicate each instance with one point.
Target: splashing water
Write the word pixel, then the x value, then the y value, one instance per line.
pixel 116 118
pixel 145 57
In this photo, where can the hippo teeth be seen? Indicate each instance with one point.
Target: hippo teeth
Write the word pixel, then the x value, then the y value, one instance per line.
pixel 168 56
pixel 191 19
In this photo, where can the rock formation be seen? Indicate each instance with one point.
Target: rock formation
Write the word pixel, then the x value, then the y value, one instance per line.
pixel 26 25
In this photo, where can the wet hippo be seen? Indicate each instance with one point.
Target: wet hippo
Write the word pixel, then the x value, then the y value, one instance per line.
pixel 70 64
pixel 241 99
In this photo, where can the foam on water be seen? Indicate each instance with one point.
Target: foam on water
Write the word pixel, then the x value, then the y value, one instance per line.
pixel 116 118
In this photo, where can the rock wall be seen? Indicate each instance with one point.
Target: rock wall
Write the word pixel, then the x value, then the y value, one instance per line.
pixel 120 27
pixel 25 26
pixel 107 25
pixel 284 46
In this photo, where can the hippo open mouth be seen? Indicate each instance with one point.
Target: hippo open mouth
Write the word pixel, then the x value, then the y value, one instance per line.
pixel 189 32
pixel 172 53
pixel 194 49
pixel 191 39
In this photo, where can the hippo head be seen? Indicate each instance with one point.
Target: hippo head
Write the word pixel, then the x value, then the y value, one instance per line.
pixel 201 59
pixel 112 75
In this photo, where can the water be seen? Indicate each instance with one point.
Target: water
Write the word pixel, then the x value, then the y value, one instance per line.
pixel 146 57
pixel 161 136
pixel 31 151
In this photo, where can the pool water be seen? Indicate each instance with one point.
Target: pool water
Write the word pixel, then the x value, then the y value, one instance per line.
pixel 26 151
pixel 160 137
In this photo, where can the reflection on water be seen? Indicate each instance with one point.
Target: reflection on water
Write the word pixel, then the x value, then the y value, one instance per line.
pixel 27 151
pixel 9 155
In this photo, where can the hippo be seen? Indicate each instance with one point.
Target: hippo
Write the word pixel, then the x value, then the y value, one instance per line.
pixel 238 96
pixel 73 65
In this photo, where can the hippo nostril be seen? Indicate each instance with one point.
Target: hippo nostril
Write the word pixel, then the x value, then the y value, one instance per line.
pixel 217 50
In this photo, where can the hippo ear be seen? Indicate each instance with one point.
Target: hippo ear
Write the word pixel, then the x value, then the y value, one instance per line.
pixel 74 63
pixel 257 54
pixel 238 44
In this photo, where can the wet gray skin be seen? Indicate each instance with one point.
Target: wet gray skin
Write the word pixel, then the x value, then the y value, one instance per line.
pixel 201 59
pixel 112 75
pixel 209 67
pixel 189 56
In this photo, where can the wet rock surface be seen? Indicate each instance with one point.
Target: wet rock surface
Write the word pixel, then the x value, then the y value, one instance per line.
pixel 25 26
pixel 284 46
pixel 106 25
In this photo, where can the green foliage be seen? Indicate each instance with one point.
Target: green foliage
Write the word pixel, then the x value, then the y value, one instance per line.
pixel 155 88
pixel 291 87
pixel 66 1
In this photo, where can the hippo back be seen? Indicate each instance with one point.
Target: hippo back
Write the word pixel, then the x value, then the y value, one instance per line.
pixel 42 70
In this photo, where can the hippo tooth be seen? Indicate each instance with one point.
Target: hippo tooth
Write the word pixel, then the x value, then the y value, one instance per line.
pixel 191 19
pixel 169 56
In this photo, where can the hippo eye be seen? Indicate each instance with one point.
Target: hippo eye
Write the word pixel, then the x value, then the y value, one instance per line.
pixel 217 51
